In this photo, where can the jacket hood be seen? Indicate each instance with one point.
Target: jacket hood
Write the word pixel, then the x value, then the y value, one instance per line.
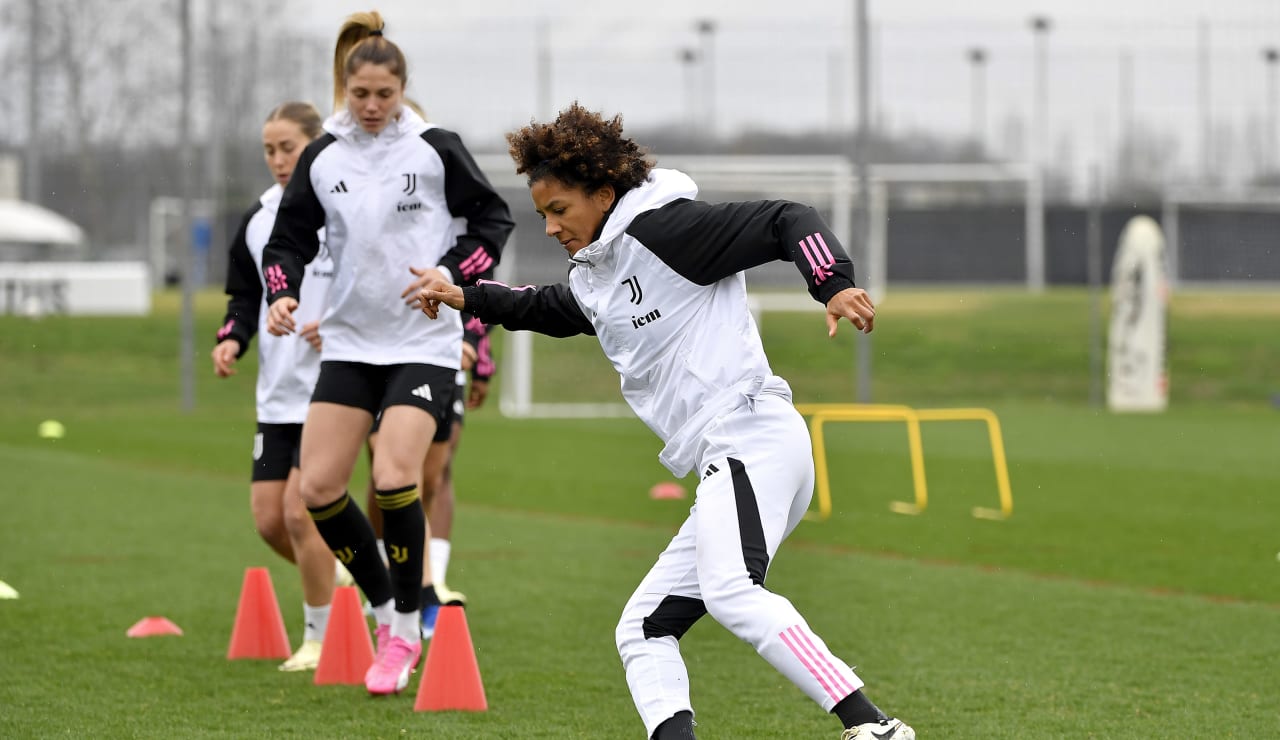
pixel 270 199
pixel 659 188
pixel 408 123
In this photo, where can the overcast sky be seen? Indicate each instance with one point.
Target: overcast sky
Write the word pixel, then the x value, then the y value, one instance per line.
pixel 789 66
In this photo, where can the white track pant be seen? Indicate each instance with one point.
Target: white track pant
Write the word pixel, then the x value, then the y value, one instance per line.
pixel 757 480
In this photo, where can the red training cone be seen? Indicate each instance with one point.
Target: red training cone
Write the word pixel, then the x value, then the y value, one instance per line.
pixel 152 627
pixel 348 651
pixel 259 628
pixel 450 676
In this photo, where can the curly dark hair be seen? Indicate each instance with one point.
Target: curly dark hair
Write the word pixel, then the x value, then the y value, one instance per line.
pixel 580 148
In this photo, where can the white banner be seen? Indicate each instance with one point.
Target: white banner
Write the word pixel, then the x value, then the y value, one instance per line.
pixel 1137 379
pixel 79 288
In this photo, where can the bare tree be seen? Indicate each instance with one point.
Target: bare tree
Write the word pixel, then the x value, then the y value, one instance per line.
pixel 1143 161
pixel 13 71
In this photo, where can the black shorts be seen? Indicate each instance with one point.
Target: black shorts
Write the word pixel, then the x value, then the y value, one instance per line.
pixel 443 431
pixel 275 451
pixel 376 387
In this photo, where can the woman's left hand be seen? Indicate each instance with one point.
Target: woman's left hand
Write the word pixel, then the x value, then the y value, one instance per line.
pixel 311 333
pixel 853 304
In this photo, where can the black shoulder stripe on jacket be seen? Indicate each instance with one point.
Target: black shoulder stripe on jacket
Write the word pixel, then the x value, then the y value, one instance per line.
pixel 243 288
pixel 469 195
pixel 546 309
pixel 706 242
pixel 294 238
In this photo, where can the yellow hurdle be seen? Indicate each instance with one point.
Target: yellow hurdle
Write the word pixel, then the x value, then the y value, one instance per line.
pixel 822 413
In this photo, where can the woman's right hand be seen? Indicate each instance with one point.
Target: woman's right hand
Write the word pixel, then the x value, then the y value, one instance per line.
pixel 439 291
pixel 280 316
pixel 224 356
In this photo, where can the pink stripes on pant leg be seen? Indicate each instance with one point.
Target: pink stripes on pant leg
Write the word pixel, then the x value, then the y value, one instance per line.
pixel 813 659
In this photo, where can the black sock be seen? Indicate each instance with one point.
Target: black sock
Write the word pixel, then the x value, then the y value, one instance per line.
pixel 404 531
pixel 856 709
pixel 429 596
pixel 678 726
pixel 347 532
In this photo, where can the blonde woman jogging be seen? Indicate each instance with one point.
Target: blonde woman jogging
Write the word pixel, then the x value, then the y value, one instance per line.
pixel 402 202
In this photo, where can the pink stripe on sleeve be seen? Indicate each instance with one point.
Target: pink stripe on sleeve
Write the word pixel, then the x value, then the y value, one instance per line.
pixel 811 253
pixel 830 260
pixel 508 287
pixel 477 266
pixel 809 257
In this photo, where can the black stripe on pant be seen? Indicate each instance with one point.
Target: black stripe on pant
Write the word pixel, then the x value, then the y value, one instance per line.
pixel 754 553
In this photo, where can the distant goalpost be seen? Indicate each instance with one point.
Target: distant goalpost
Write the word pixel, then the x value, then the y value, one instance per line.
pixel 1178 203
pixel 829 183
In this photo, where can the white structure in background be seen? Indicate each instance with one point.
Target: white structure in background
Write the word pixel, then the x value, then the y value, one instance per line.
pixel 26 223
pixel 1137 378
pixel 36 279
pixel 37 289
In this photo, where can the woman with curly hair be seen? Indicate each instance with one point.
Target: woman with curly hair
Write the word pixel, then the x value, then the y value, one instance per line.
pixel 657 277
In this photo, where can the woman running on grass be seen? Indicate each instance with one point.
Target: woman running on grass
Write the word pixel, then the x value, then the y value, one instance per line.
pixel 657 277
pixel 287 371
pixel 403 202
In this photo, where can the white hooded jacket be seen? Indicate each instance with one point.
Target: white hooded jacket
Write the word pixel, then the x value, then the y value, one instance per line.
pixel 663 290
pixel 410 196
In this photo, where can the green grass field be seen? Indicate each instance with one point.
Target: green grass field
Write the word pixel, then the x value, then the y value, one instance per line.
pixel 1134 593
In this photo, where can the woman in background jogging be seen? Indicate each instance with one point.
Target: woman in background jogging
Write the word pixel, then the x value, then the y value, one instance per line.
pixel 657 276
pixel 287 371
pixel 403 202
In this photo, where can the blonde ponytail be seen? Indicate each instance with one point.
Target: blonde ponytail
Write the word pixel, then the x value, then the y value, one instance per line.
pixel 360 41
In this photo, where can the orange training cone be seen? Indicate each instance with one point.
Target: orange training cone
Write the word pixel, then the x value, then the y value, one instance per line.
pixel 259 629
pixel 153 626
pixel 348 651
pixel 450 676
pixel 667 490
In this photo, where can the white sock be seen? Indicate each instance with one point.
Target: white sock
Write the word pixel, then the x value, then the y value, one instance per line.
pixel 382 612
pixel 317 621
pixel 407 627
pixel 439 550
pixel 382 552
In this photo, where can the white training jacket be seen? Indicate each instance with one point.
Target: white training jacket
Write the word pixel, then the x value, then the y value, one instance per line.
pixel 411 196
pixel 287 366
pixel 662 288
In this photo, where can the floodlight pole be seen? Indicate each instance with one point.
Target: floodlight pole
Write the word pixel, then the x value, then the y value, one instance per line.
pixel 707 30
pixel 978 97
pixel 1093 261
pixel 32 165
pixel 688 59
pixel 1040 26
pixel 862 164
pixel 1271 55
pixel 1205 101
pixel 186 343
pixel 543 70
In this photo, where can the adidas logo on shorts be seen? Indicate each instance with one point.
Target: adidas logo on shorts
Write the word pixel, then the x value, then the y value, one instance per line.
pixel 423 391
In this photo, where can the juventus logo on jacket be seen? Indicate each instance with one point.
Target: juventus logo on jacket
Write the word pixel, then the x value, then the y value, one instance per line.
pixel 637 294
pixel 410 183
